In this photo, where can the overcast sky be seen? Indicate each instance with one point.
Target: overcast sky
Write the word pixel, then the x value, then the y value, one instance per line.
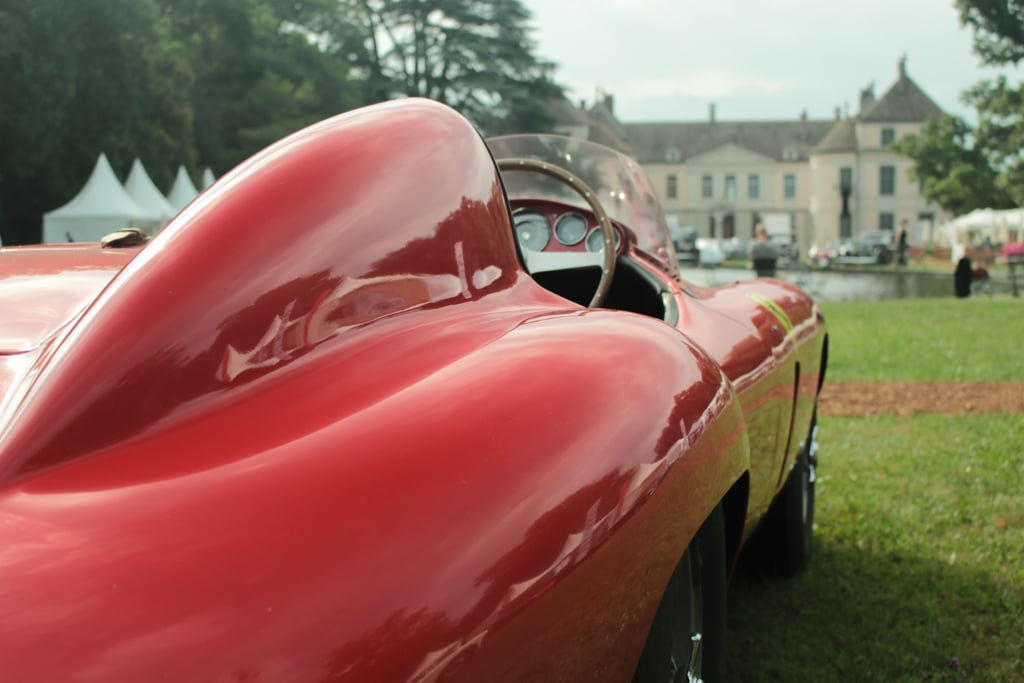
pixel 666 60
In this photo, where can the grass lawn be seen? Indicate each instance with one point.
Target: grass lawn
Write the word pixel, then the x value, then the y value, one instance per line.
pixel 918 567
pixel 941 340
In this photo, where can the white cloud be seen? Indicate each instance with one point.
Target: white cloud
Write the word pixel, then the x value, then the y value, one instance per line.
pixel 766 55
pixel 705 84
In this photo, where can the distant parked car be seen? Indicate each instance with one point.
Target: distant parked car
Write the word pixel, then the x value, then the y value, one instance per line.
pixel 684 240
pixel 868 249
pixel 878 244
pixel 711 252
pixel 736 249
pixel 823 255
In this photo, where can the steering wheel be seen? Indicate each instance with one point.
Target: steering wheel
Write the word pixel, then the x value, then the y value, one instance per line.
pixel 538 261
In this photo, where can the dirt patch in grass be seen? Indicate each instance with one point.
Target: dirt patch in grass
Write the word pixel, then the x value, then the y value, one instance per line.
pixel 912 398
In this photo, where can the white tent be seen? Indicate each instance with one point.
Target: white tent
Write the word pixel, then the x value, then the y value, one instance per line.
pixel 144 192
pixel 998 226
pixel 1011 226
pixel 208 178
pixel 102 206
pixel 977 220
pixel 183 191
pixel 991 223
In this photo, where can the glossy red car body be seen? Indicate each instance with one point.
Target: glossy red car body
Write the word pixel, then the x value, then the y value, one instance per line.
pixel 325 426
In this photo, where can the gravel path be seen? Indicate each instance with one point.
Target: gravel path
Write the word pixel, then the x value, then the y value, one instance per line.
pixel 911 398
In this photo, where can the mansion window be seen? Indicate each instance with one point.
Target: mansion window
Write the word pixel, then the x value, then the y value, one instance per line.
pixel 706 188
pixel 672 186
pixel 888 135
pixel 730 187
pixel 845 179
pixel 789 186
pixel 886 221
pixel 753 187
pixel 887 180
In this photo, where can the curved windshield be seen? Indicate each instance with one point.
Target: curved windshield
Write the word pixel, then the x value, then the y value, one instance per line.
pixel 620 184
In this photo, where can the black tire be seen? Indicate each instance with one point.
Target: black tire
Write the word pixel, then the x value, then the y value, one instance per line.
pixel 781 546
pixel 693 604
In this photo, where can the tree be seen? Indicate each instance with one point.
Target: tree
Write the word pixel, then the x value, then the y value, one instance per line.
pixel 210 82
pixel 999 39
pixel 194 82
pixel 964 168
pixel 998 28
pixel 1000 131
pixel 474 55
pixel 76 79
pixel 953 169
pixel 259 73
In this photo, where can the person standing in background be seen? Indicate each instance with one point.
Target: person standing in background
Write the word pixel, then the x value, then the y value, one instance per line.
pixel 902 246
pixel 763 254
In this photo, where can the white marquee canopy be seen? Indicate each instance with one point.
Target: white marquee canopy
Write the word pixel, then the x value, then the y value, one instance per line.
pixel 104 205
pixel 183 191
pixel 999 226
pixel 101 207
pixel 144 192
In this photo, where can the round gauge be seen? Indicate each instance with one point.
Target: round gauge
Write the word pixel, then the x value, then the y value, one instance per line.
pixel 532 229
pixel 595 240
pixel 571 228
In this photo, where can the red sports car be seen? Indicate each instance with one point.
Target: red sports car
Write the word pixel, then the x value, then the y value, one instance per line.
pixel 392 403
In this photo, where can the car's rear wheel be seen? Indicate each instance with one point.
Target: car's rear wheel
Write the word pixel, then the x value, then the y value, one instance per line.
pixel 781 546
pixel 686 642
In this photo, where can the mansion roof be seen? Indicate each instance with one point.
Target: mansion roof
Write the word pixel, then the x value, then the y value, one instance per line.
pixel 784 141
pixel 904 102
pixel 779 140
pixel 841 138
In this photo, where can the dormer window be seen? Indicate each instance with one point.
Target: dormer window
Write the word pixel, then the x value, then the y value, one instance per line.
pixel 790 154
pixel 673 155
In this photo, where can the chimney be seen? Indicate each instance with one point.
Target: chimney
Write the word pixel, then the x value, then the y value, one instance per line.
pixel 838 114
pixel 711 112
pixel 867 97
pixel 903 65
pixel 609 103
pixel 803 115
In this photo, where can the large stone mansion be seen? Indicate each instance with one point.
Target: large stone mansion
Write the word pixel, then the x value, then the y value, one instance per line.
pixel 828 179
